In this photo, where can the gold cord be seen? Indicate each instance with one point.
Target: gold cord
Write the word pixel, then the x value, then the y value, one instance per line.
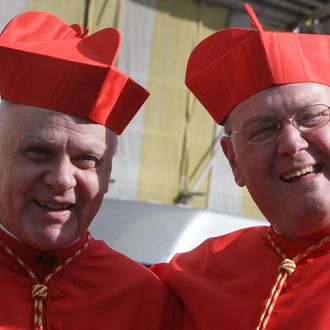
pixel 39 290
pixel 285 269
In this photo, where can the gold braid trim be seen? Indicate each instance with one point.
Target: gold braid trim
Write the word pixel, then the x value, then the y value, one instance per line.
pixel 39 290
pixel 285 269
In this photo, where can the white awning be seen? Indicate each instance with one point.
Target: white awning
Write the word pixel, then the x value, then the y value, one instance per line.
pixel 151 232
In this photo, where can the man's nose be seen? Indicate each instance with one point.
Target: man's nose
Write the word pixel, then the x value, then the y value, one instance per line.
pixel 61 175
pixel 290 140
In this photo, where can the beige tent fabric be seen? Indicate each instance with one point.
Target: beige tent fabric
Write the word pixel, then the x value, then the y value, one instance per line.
pixel 177 132
pixel 201 128
pixel 103 14
pixel 165 114
pixel 70 11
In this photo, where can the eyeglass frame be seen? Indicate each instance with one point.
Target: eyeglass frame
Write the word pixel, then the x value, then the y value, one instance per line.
pixel 278 124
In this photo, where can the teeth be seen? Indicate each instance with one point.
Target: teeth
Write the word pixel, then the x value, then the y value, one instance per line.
pixel 298 173
pixel 54 206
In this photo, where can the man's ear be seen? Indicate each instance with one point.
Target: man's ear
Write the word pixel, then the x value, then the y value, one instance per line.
pixel 227 148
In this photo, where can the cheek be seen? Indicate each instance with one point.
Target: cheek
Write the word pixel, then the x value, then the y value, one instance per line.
pixel 18 182
pixel 90 195
pixel 93 184
pixel 90 186
pixel 322 142
pixel 14 194
pixel 104 175
pixel 255 163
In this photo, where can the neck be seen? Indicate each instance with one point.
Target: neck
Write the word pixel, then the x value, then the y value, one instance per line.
pixel 2 227
pixel 299 232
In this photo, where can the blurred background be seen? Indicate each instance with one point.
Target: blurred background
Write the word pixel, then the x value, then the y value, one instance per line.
pixel 170 154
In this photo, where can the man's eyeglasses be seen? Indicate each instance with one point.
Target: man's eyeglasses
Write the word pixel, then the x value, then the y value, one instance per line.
pixel 305 119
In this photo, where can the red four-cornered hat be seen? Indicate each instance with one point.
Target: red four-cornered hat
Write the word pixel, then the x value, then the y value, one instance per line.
pixel 47 63
pixel 233 64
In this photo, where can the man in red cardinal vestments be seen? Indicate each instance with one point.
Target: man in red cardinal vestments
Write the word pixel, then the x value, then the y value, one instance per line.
pixel 63 105
pixel 271 92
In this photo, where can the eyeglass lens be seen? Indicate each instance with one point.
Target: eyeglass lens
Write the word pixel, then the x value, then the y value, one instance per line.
pixel 305 119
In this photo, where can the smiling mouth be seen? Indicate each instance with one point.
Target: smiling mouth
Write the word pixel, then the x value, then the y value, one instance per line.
pixel 54 207
pixel 299 173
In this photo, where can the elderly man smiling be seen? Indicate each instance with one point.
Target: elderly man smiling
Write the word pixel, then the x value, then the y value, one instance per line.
pixel 63 105
pixel 271 92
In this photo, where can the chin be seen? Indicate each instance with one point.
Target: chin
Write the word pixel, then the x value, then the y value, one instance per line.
pixel 48 245
pixel 302 228
pixel 51 242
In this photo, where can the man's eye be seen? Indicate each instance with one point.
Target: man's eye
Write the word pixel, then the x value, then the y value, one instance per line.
pixel 86 161
pixel 38 154
pixel 261 133
pixel 312 119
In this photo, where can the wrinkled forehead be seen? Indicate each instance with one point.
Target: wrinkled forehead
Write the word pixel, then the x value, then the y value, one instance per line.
pixel 26 114
pixel 280 100
pixel 19 119
pixel 24 111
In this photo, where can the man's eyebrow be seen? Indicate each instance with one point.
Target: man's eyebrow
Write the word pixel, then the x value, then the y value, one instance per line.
pixel 35 139
pixel 267 118
pixel 90 147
